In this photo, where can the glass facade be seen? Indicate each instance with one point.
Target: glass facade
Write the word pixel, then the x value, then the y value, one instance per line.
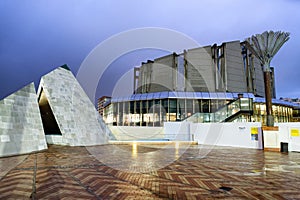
pixel 296 115
pixel 198 89
pixel 154 112
pixel 281 113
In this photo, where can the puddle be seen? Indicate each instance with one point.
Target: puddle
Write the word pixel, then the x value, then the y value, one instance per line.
pixel 283 168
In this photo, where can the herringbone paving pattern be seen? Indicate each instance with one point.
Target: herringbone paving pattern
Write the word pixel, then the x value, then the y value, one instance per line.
pixel 225 173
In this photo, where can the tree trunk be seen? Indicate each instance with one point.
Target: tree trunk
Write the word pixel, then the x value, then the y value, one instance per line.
pixel 268 96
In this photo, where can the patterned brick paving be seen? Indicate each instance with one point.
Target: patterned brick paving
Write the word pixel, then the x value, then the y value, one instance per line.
pixel 76 173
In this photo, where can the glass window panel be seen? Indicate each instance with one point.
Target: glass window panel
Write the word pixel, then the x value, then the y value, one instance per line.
pixel 131 106
pixel 144 106
pixel 189 107
pixel 205 105
pixel 172 106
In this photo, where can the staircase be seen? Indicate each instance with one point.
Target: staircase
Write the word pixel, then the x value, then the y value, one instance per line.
pixel 228 113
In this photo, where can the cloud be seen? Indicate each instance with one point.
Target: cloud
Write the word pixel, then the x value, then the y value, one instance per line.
pixel 37 36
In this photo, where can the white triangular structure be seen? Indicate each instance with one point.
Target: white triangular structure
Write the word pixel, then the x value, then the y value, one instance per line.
pixel 76 117
pixel 21 129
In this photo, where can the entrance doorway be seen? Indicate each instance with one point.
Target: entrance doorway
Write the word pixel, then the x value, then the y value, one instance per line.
pixel 49 122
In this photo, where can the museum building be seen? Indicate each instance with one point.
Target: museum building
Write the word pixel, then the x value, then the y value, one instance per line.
pixel 207 84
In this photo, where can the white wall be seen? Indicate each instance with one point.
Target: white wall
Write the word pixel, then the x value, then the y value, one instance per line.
pixel 232 134
pixel 287 134
pixel 137 133
pixel 177 131
pixel 220 134
pixel 55 139
pixel 227 134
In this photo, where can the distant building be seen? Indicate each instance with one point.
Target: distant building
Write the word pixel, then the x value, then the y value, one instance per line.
pixel 291 100
pixel 206 84
pixel 102 102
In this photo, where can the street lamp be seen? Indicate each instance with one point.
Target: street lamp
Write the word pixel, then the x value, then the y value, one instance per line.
pixel 264 46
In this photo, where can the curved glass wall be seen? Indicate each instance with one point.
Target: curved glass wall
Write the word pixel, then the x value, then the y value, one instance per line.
pixel 281 113
pixel 154 112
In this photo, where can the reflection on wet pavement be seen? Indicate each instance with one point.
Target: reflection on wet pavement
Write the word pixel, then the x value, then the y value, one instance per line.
pixel 8 163
pixel 147 171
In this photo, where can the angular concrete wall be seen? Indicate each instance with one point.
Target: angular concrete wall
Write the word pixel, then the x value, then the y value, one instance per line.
pixel 21 129
pixel 258 76
pixel 236 79
pixel 164 67
pixel 152 76
pixel 76 116
pixel 200 71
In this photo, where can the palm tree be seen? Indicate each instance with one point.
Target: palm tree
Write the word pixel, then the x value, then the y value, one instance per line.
pixel 264 46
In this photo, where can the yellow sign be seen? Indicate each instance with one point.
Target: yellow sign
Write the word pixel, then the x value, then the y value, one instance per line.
pixel 254 130
pixel 295 132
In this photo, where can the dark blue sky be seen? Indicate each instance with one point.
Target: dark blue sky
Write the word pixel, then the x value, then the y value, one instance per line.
pixel 38 36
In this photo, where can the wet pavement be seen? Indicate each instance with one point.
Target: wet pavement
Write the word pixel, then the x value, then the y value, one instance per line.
pixel 145 171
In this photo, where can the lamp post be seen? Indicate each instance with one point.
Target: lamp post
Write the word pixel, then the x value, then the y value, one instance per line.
pixel 264 46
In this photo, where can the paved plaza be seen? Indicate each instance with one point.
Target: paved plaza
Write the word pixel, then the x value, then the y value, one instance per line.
pixel 144 171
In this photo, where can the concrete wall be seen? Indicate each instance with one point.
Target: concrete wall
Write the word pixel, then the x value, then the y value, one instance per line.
pixel 246 135
pixel 153 75
pixel 164 72
pixel 21 129
pixel 236 79
pixel 220 134
pixel 75 114
pixel 258 78
pixel 144 78
pixel 289 133
pixel 286 133
pixel 123 133
pixel 200 72
pixel 177 131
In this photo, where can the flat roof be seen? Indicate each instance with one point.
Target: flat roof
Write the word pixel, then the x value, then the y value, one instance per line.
pixel 276 101
pixel 181 95
pixel 198 95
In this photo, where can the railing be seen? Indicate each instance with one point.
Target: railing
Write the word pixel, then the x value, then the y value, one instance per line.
pixel 227 113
